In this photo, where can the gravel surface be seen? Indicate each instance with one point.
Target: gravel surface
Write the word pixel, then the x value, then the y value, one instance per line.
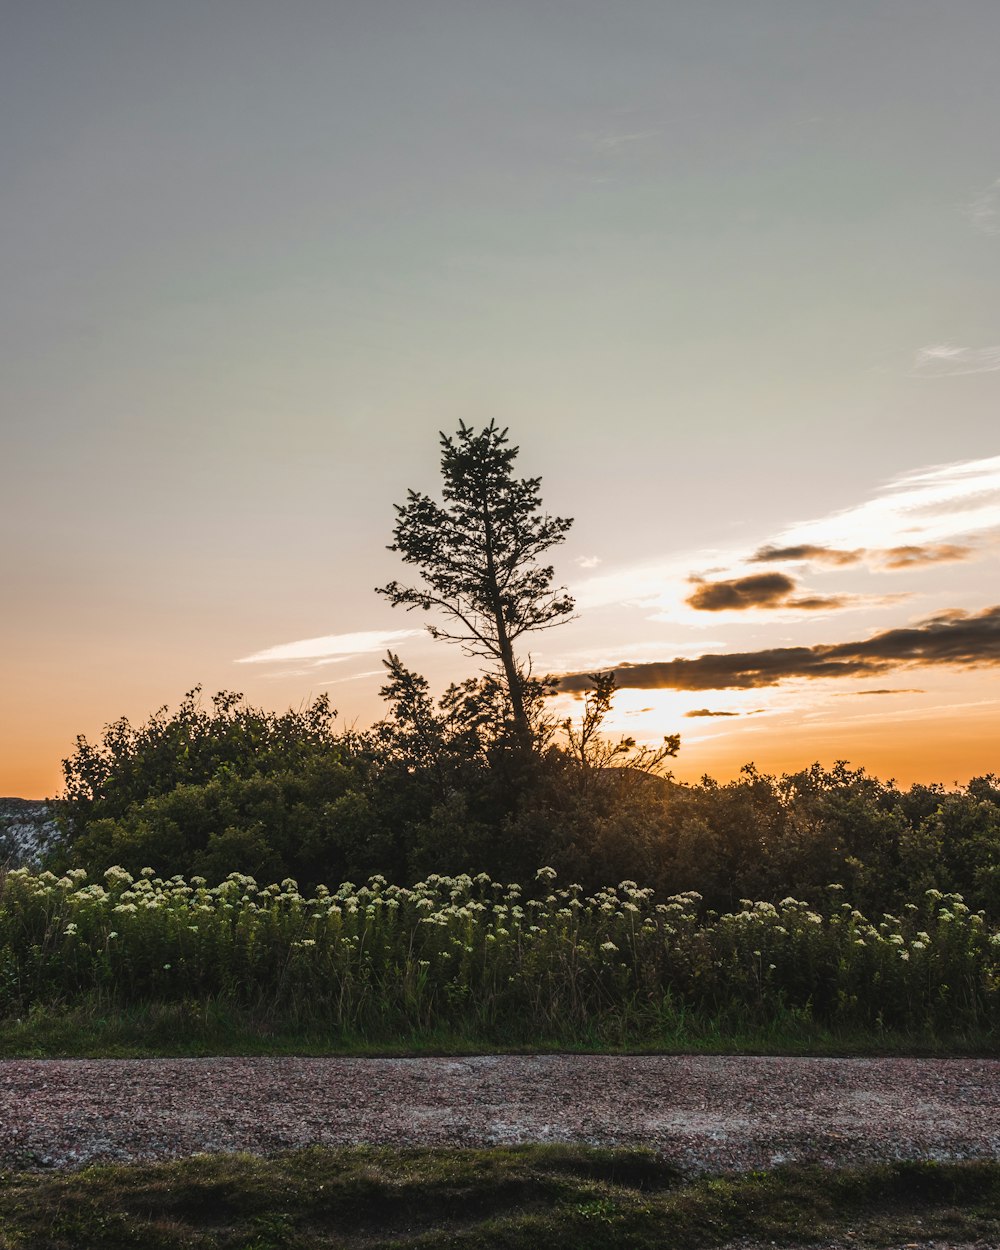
pixel 704 1114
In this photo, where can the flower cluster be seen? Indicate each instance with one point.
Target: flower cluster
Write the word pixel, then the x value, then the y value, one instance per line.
pixel 477 955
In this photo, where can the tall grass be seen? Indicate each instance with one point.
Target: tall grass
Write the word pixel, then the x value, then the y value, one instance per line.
pixel 472 956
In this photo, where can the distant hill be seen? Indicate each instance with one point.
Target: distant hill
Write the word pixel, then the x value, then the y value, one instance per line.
pixel 27 831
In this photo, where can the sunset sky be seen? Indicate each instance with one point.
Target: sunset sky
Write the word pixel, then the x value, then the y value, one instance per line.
pixel 729 272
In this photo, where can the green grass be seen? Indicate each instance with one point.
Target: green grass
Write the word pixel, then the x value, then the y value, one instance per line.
pixel 513 1199
pixel 160 1030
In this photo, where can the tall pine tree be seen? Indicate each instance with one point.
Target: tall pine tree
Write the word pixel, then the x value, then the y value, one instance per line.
pixel 479 556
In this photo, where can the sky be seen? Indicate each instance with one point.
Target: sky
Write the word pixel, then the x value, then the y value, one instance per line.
pixel 729 272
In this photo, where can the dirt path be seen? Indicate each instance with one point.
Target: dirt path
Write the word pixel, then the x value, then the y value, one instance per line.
pixel 706 1114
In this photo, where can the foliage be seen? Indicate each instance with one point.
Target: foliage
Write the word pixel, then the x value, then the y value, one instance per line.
pixel 434 788
pixel 192 746
pixel 443 774
pixel 761 836
pixel 593 752
pixel 478 556
pixel 217 789
pixel 470 953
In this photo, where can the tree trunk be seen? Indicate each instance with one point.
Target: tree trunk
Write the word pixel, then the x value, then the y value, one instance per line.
pixel 521 724
pixel 522 727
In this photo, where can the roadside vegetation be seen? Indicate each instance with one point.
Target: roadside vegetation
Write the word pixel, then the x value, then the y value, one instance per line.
pixel 518 1199
pixel 491 964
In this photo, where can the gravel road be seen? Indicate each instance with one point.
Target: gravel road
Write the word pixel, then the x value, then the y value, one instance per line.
pixel 704 1114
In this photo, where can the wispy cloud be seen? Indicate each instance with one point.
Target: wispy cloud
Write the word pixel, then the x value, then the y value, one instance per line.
pixel 854 694
pixel 641 584
pixel 370 672
pixel 938 504
pixel 953 638
pixel 588 562
pixel 331 646
pixel 704 711
pixel 983 210
pixel 945 360
pixel 611 141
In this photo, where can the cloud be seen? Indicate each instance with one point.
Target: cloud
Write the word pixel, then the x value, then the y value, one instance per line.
pixel 816 603
pixel 339 681
pixel 892 559
pixel 759 590
pixel 704 711
pixel 945 360
pixel 807 551
pixel 967 640
pixel 588 562
pixel 912 557
pixel 853 694
pixel 612 141
pixel 983 210
pixel 331 646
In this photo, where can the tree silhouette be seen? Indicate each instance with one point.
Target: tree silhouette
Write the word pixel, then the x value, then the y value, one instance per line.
pixel 478 554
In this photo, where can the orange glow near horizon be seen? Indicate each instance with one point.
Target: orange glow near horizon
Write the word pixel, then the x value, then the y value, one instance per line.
pixel 949 751
pixel 912 737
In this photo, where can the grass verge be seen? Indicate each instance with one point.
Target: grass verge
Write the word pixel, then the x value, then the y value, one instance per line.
pixel 163 1030
pixel 513 1199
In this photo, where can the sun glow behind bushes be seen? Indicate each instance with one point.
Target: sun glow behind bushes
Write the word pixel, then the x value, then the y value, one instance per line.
pixel 471 953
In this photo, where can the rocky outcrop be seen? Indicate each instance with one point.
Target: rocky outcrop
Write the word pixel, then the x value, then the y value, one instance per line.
pixel 27 832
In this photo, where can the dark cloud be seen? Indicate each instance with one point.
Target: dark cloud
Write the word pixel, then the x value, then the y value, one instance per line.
pixel 968 640
pixel 915 557
pixel 807 551
pixel 813 603
pixel 890 558
pixel 704 711
pixel 759 590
